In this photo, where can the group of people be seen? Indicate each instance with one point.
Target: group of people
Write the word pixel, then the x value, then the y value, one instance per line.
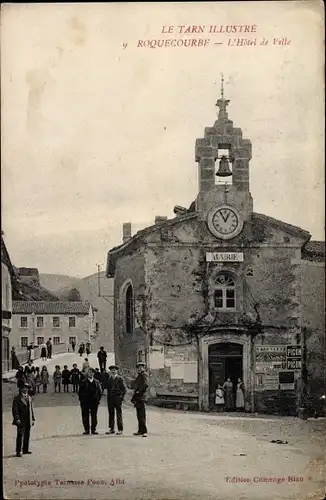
pixel 84 348
pixel 45 353
pixel 90 385
pixel 228 399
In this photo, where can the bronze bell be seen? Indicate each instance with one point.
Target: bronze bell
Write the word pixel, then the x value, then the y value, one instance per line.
pixel 224 169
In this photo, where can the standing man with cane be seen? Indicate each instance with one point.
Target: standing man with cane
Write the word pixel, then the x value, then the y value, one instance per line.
pixel 139 398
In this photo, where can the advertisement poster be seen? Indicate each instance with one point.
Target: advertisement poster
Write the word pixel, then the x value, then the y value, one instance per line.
pixel 156 357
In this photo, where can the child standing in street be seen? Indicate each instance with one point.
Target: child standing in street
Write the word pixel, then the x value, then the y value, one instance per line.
pixel 45 378
pixel 65 378
pixel 37 379
pixel 75 378
pixel 57 376
pixel 219 398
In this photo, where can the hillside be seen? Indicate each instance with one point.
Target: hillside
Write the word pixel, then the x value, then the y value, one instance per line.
pixel 56 282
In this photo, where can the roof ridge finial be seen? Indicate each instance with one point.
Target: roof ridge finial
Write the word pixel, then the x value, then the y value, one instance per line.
pixel 222 85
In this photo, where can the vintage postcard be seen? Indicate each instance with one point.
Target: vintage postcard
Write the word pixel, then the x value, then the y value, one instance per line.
pixel 163 250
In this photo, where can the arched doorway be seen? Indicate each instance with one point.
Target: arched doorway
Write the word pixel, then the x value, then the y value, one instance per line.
pixel 225 359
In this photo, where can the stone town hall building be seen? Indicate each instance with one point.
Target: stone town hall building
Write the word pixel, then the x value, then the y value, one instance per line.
pixel 217 291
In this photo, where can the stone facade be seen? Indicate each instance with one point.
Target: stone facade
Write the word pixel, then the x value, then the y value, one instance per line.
pixel 230 315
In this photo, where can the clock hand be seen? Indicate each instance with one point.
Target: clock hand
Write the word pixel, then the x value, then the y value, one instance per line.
pixel 228 215
pixel 223 216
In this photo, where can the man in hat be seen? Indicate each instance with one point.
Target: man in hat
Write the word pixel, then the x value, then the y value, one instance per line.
pixel 116 391
pixel 102 355
pixel 90 393
pixel 23 418
pixel 139 399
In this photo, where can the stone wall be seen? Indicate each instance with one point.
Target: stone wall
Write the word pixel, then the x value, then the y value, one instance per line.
pixel 130 269
pixel 313 318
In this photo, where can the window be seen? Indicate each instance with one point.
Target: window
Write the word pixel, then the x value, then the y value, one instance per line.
pixel 97 327
pixel 40 340
pixel 23 341
pixel 224 295
pixel 56 340
pixel 129 310
pixel 71 340
pixel 39 322
pixel 72 322
pixel 23 322
pixel 56 322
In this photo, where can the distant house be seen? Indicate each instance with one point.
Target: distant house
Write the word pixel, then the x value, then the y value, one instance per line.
pixel 62 321
pixel 98 290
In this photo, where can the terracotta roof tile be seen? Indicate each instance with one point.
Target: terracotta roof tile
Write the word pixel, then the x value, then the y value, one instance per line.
pixel 50 307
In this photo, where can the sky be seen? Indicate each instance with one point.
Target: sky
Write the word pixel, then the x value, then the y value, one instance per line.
pixel 97 131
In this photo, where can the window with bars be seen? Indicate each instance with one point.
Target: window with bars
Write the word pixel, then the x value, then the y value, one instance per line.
pixel 71 340
pixel 39 322
pixel 56 322
pixel 72 322
pixel 23 322
pixel 225 292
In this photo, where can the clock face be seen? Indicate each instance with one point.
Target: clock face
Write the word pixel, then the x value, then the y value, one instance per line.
pixel 225 222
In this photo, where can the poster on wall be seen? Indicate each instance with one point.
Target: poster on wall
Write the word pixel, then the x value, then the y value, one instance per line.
pixel 156 357
pixel 177 370
pixel 190 372
pixel 270 359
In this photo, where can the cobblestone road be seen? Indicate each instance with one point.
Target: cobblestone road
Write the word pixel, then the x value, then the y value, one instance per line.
pixel 186 456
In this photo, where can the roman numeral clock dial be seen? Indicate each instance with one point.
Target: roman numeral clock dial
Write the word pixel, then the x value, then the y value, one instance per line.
pixel 225 222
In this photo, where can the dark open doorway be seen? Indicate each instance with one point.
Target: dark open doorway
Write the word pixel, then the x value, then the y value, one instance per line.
pixel 224 360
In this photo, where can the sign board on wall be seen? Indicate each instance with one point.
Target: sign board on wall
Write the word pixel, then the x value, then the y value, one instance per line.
pixel 224 256
pixel 266 382
pixel 293 351
pixel 270 359
pixel 293 357
pixel 190 372
pixel 293 364
pixel 156 357
pixel 177 370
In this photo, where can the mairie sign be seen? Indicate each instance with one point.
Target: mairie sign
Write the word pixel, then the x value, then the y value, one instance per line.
pixel 224 256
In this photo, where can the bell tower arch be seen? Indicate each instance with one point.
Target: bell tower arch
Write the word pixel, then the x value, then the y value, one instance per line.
pixel 223 153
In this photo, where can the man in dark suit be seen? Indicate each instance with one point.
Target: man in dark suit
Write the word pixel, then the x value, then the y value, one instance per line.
pixel 90 393
pixel 23 418
pixel 102 355
pixel 139 399
pixel 116 391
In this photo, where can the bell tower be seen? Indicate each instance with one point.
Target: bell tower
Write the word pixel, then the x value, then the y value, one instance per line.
pixel 223 158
